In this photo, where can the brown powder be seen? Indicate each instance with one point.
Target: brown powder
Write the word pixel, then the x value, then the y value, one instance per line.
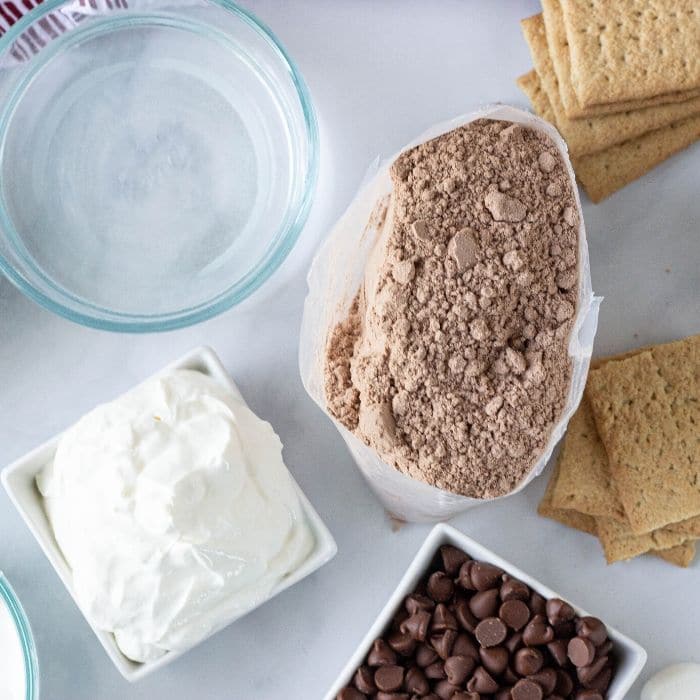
pixel 452 363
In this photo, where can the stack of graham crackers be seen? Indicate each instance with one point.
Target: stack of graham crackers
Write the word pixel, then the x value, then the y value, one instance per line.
pixel 620 79
pixel 629 468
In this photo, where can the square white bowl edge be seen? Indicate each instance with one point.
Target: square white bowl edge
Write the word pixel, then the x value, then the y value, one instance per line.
pixel 631 657
pixel 18 480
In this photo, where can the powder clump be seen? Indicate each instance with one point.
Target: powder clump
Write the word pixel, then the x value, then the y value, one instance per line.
pixel 452 363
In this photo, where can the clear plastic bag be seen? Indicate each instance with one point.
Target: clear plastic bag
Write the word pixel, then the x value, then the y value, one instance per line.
pixel 334 279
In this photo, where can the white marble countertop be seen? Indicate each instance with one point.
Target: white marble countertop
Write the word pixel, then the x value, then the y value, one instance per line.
pixel 380 73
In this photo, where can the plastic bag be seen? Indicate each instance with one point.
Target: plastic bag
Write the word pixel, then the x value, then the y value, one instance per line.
pixel 334 279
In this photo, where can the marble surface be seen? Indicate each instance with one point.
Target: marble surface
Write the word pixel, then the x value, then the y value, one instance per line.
pixel 380 73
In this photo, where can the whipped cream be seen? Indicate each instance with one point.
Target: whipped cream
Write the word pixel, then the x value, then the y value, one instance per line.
pixel 175 512
pixel 677 682
pixel 12 678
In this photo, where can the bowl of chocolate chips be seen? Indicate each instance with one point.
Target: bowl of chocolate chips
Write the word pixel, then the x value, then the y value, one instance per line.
pixel 463 624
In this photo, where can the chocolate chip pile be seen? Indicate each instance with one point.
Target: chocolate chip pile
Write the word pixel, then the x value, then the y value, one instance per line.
pixel 472 632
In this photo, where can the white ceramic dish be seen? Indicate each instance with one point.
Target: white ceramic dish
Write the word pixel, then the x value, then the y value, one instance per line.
pixel 630 656
pixel 19 482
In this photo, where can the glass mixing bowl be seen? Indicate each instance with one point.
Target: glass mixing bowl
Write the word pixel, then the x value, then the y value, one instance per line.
pixel 157 159
pixel 28 666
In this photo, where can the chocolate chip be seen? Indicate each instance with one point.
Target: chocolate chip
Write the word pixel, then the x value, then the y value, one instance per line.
pixel 510 677
pixel 564 685
pixel 445 690
pixel 435 670
pixel 502 694
pixel 416 602
pixel 557 649
pixel 443 619
pixel 400 616
pixel 458 668
pixel 512 589
pixel 514 613
pixel 417 625
pixel 465 616
pixel 381 654
pixel 589 695
pixel 538 605
pixel 528 661
pixel 490 632
pixel 601 681
pixel 587 673
pixel 464 646
pixel 364 680
pixel 546 679
pixel 581 651
pixel 381 695
pixel 484 603
pixel 443 642
pixel 485 576
pixel 465 695
pixel 440 587
pixel 526 689
pixel 482 682
pixel 402 643
pixel 564 630
pixel 425 655
pixel 559 611
pixel 452 559
pixel 537 632
pixel 388 678
pixel 416 682
pixel 465 575
pixel 593 629
pixel 494 659
pixel 350 694
pixel 514 642
pixel 604 649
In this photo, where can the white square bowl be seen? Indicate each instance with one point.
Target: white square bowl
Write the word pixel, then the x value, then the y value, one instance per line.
pixel 19 482
pixel 630 656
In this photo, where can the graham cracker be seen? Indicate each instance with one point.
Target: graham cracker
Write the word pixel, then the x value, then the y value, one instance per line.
pixel 632 50
pixel 680 555
pixel 601 174
pixel 690 527
pixel 615 533
pixel 619 543
pixel 532 87
pixel 558 43
pixel 570 518
pixel 584 483
pixel 585 136
pixel 647 411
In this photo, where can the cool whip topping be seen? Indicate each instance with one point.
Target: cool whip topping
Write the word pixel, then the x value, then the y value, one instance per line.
pixel 677 682
pixel 175 512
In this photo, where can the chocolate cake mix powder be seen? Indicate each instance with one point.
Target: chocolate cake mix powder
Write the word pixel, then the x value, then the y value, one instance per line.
pixel 452 362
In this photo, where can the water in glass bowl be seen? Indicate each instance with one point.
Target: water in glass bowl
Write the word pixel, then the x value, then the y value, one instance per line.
pixel 146 168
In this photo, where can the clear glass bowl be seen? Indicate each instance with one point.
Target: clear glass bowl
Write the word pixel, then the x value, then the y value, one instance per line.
pixel 157 161
pixel 24 632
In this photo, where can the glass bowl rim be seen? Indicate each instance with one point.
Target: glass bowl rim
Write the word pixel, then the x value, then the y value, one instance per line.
pixel 24 630
pixel 263 270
